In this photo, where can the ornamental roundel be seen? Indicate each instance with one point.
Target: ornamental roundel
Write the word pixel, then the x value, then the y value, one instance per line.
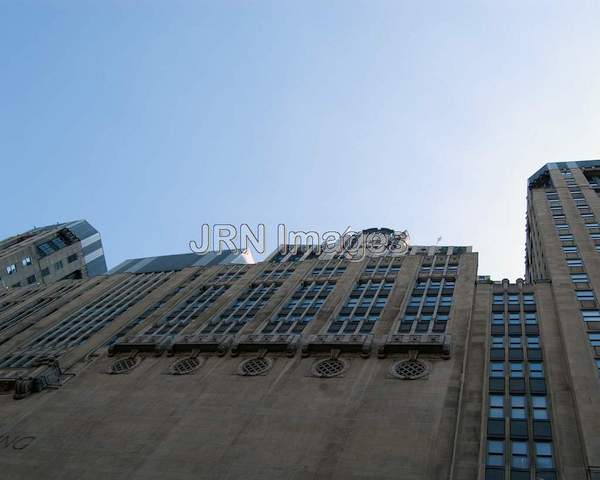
pixel 329 367
pixel 185 366
pixel 410 369
pixel 252 367
pixel 124 365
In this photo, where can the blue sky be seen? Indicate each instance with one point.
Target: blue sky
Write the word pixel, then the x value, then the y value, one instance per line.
pixel 150 119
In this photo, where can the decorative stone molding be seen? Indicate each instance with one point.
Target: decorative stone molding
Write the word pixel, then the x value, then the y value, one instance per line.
pixel 269 342
pixel 153 344
pixel 429 343
pixel 46 372
pixel 211 343
pixel 344 343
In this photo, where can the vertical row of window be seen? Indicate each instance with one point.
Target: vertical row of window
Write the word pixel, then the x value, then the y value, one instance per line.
pixel 278 273
pixel 89 319
pixel 153 308
pixel 301 309
pixel 329 269
pixel 47 296
pixel 439 265
pixel 245 308
pixel 519 434
pixel 586 214
pixel 593 181
pixel 428 308
pixel 382 266
pixel 174 321
pixel 580 279
pixel 230 274
pixel 294 253
pixel 363 307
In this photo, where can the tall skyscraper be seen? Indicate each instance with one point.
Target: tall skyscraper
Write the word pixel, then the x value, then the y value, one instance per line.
pixel 386 361
pixel 71 250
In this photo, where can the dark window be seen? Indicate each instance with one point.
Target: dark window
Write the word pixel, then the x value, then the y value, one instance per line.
pixel 72 258
pixel 31 279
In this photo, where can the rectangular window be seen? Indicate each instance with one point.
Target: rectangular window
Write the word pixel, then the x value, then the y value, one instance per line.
pixel 531 318
pixel 536 370
pixel 574 262
pixel 430 300
pixel 498 299
pixel 497 369
pixel 445 301
pixel 58 265
pixel 11 269
pixel 26 261
pixel 569 249
pixel 495 453
pixel 497 319
pixel 414 302
pixel 584 295
pixel 528 299
pixel 513 299
pixel 515 342
pixel 45 272
pixel 556 210
pixel 540 407
pixel 579 278
pixel 72 258
pixel 594 339
pixel 519 455
pixel 533 342
pixel 514 319
pixel 516 370
pixel 518 407
pixel 496 406
pixel 543 455
pixel 31 280
pixel 591 315
pixel 497 342
pixel 566 237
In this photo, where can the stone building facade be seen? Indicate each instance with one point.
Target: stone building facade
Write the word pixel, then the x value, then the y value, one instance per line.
pixel 307 366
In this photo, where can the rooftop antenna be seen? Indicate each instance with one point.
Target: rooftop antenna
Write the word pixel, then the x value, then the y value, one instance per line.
pixel 438 240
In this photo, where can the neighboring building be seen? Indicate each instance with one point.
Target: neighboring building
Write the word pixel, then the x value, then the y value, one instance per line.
pixel 168 263
pixel 563 245
pixel 44 255
pixel 401 364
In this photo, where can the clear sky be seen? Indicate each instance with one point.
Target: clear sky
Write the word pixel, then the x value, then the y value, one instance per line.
pixel 151 118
